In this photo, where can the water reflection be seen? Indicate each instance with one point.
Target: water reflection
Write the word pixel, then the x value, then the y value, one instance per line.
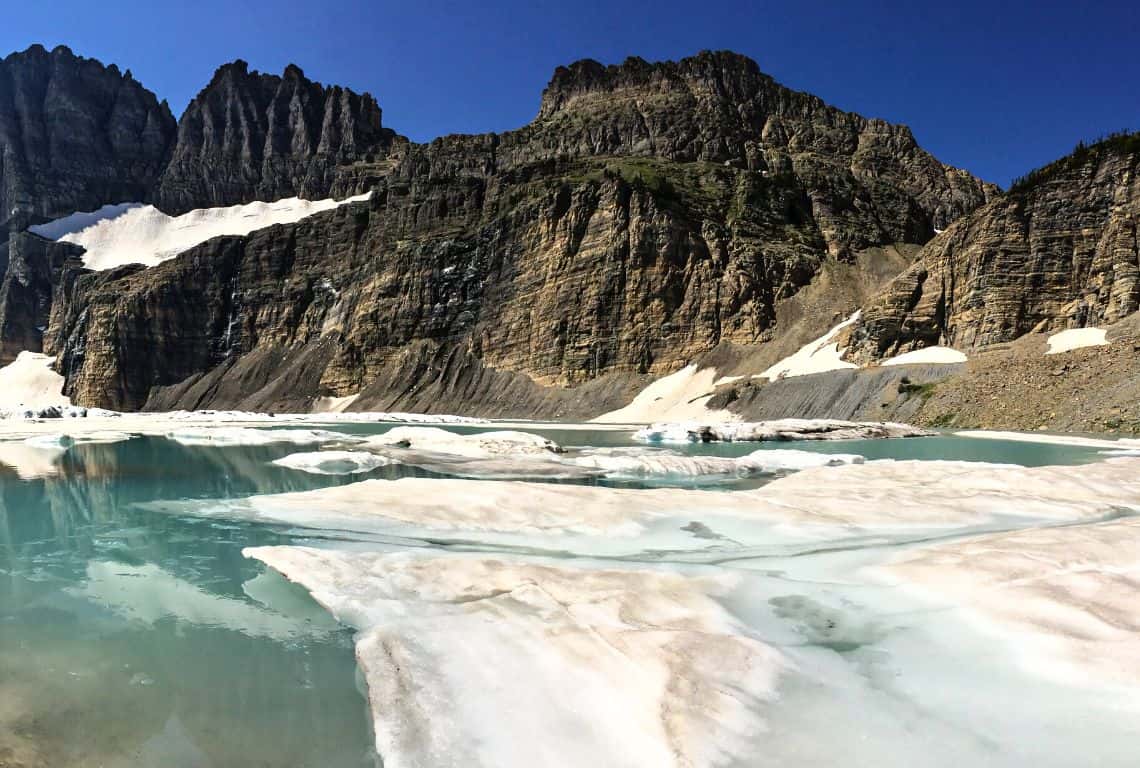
pixel 131 639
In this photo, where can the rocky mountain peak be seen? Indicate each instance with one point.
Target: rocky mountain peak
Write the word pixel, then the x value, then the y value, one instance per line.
pixel 75 134
pixel 254 136
pixel 590 77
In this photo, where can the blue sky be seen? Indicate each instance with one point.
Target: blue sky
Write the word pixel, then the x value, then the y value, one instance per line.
pixel 995 87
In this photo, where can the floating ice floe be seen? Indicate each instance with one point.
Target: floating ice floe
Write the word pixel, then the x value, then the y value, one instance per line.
pixel 928 356
pixel 1067 596
pixel 132 233
pixel 633 667
pixel 778 430
pixel 334 462
pixel 818 356
pixel 906 500
pixel 1076 338
pixel 252 436
pixel 37 456
pixel 681 395
pixel 476 445
pixel 641 462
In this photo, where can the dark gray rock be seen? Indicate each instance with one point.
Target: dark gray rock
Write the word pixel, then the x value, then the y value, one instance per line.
pixel 252 136
pixel 75 134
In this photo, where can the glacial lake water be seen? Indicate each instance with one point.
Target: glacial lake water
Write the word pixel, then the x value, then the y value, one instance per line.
pixel 136 638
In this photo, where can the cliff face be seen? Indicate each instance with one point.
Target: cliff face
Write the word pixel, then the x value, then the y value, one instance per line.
pixel 252 136
pixel 33 270
pixel 648 214
pixel 1059 251
pixel 75 135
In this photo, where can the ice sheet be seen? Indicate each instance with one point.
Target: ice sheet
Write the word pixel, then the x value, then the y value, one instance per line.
pixel 476 661
pixel 1067 595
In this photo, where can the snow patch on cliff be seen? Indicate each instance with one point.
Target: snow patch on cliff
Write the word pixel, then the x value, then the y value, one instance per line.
pixel 818 356
pixel 132 233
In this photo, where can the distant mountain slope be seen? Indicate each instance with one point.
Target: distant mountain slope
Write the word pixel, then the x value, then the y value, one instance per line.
pixel 650 213
pixel 1058 251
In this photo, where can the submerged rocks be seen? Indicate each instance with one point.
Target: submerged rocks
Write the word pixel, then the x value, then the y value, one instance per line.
pixel 780 430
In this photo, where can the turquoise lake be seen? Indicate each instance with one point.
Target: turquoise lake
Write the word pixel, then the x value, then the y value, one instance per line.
pixel 134 638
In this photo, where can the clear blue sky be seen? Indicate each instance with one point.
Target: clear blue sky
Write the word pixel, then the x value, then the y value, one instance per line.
pixel 996 87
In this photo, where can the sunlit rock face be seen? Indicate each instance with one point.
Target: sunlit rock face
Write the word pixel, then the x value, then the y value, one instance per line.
pixel 648 214
pixel 1059 251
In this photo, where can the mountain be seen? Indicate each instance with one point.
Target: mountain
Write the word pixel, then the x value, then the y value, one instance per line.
pixel 1058 251
pixel 252 136
pixel 75 134
pixel 650 214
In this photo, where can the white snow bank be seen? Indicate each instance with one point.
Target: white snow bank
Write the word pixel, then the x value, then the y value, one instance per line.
pixel 334 404
pixel 334 462
pixel 639 462
pixel 681 395
pixel 250 436
pixel 142 234
pixel 817 356
pixel 1076 338
pixel 928 356
pixel 477 445
pixel 1067 595
pixel 776 430
pixel 28 384
pixel 477 661
pixel 148 594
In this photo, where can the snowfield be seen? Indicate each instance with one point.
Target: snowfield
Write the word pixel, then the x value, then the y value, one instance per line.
pixel 678 396
pixel 818 356
pixel 928 356
pixel 132 233
pixel 1076 338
